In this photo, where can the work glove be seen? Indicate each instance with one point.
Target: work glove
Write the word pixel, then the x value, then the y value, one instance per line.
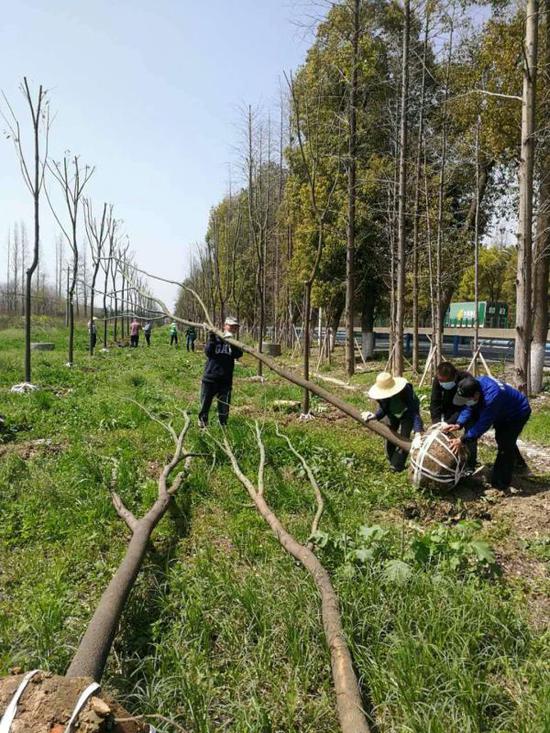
pixel 417 441
pixel 367 416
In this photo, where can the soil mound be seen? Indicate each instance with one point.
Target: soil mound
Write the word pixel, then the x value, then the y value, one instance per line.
pixel 47 703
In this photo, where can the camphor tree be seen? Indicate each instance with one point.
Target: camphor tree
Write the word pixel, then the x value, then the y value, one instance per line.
pixel 33 176
pixel 72 180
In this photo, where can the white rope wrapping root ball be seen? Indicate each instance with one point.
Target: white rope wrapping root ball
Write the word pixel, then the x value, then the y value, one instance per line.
pixel 434 465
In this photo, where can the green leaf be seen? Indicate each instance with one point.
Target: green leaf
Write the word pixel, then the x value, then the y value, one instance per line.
pixel 483 551
pixel 319 538
pixel 363 554
pixel 397 571
pixel 372 533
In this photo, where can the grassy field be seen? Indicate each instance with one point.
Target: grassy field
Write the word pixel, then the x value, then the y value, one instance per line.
pixel 222 632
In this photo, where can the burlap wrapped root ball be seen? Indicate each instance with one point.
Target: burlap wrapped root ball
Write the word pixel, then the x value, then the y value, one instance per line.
pixel 48 701
pixel 434 466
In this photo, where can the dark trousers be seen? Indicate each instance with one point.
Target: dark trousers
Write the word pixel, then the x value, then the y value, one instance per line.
pixel 508 456
pixel 147 337
pixel 209 390
pixel 190 343
pixel 403 425
pixel 134 340
pixel 173 339
pixel 93 340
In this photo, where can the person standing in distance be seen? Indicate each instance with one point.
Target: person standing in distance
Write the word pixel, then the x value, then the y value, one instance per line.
pixel 134 333
pixel 217 379
pixel 190 337
pixel 147 332
pixel 174 334
pixel 92 330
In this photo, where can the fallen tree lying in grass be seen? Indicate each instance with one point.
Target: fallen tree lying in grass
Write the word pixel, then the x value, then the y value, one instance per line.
pixel 348 696
pixel 91 655
pixel 46 702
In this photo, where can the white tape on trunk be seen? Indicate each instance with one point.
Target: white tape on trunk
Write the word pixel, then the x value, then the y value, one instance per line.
pixel 9 713
pixel 80 704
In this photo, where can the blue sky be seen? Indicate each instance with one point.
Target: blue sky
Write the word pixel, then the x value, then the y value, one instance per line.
pixel 148 91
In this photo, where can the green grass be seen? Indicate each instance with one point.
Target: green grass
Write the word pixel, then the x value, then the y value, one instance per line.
pixel 223 631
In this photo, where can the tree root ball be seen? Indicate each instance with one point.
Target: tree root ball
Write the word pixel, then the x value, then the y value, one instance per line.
pixel 433 466
pixel 48 701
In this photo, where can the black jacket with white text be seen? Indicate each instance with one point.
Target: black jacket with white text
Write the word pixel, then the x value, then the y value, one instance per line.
pixel 221 360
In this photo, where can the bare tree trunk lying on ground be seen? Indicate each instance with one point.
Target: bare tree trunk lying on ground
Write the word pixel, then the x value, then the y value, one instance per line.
pixel 49 699
pixel 94 647
pixel 348 696
pixel 345 407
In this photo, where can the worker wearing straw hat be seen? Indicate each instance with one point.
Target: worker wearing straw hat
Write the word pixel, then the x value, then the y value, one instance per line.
pixel 398 407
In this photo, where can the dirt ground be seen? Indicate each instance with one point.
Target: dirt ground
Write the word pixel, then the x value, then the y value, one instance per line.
pixel 515 522
pixel 48 701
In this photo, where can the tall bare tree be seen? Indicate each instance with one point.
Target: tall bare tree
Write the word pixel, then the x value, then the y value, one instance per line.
pixel 437 323
pixel 97 237
pixel 541 258
pixel 258 217
pixel 15 266
pixel 525 218
pixel 402 193
pixel 352 184
pixel 24 243
pixel 308 134
pixel 33 176
pixel 416 213
pixel 72 179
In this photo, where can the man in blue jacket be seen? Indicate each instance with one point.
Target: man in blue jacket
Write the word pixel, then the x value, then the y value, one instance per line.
pixel 217 379
pixel 498 405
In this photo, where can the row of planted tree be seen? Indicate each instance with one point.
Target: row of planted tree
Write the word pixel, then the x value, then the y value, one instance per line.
pixel 104 286
pixel 404 140
pixel 399 143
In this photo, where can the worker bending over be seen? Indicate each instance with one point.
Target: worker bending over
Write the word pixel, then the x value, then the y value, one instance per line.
pixel 498 405
pixel 443 409
pixel 398 407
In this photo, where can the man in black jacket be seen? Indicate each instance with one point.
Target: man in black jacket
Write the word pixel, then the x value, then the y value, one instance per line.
pixel 442 407
pixel 217 379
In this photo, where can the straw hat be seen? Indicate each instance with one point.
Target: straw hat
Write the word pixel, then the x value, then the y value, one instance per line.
pixel 386 386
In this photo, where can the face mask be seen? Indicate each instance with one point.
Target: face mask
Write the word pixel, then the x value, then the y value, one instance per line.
pixel 447 385
pixel 471 403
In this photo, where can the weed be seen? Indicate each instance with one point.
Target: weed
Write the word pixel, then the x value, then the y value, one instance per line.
pixel 222 630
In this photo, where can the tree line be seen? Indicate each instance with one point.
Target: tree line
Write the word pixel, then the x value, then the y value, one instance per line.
pixel 93 261
pixel 408 136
